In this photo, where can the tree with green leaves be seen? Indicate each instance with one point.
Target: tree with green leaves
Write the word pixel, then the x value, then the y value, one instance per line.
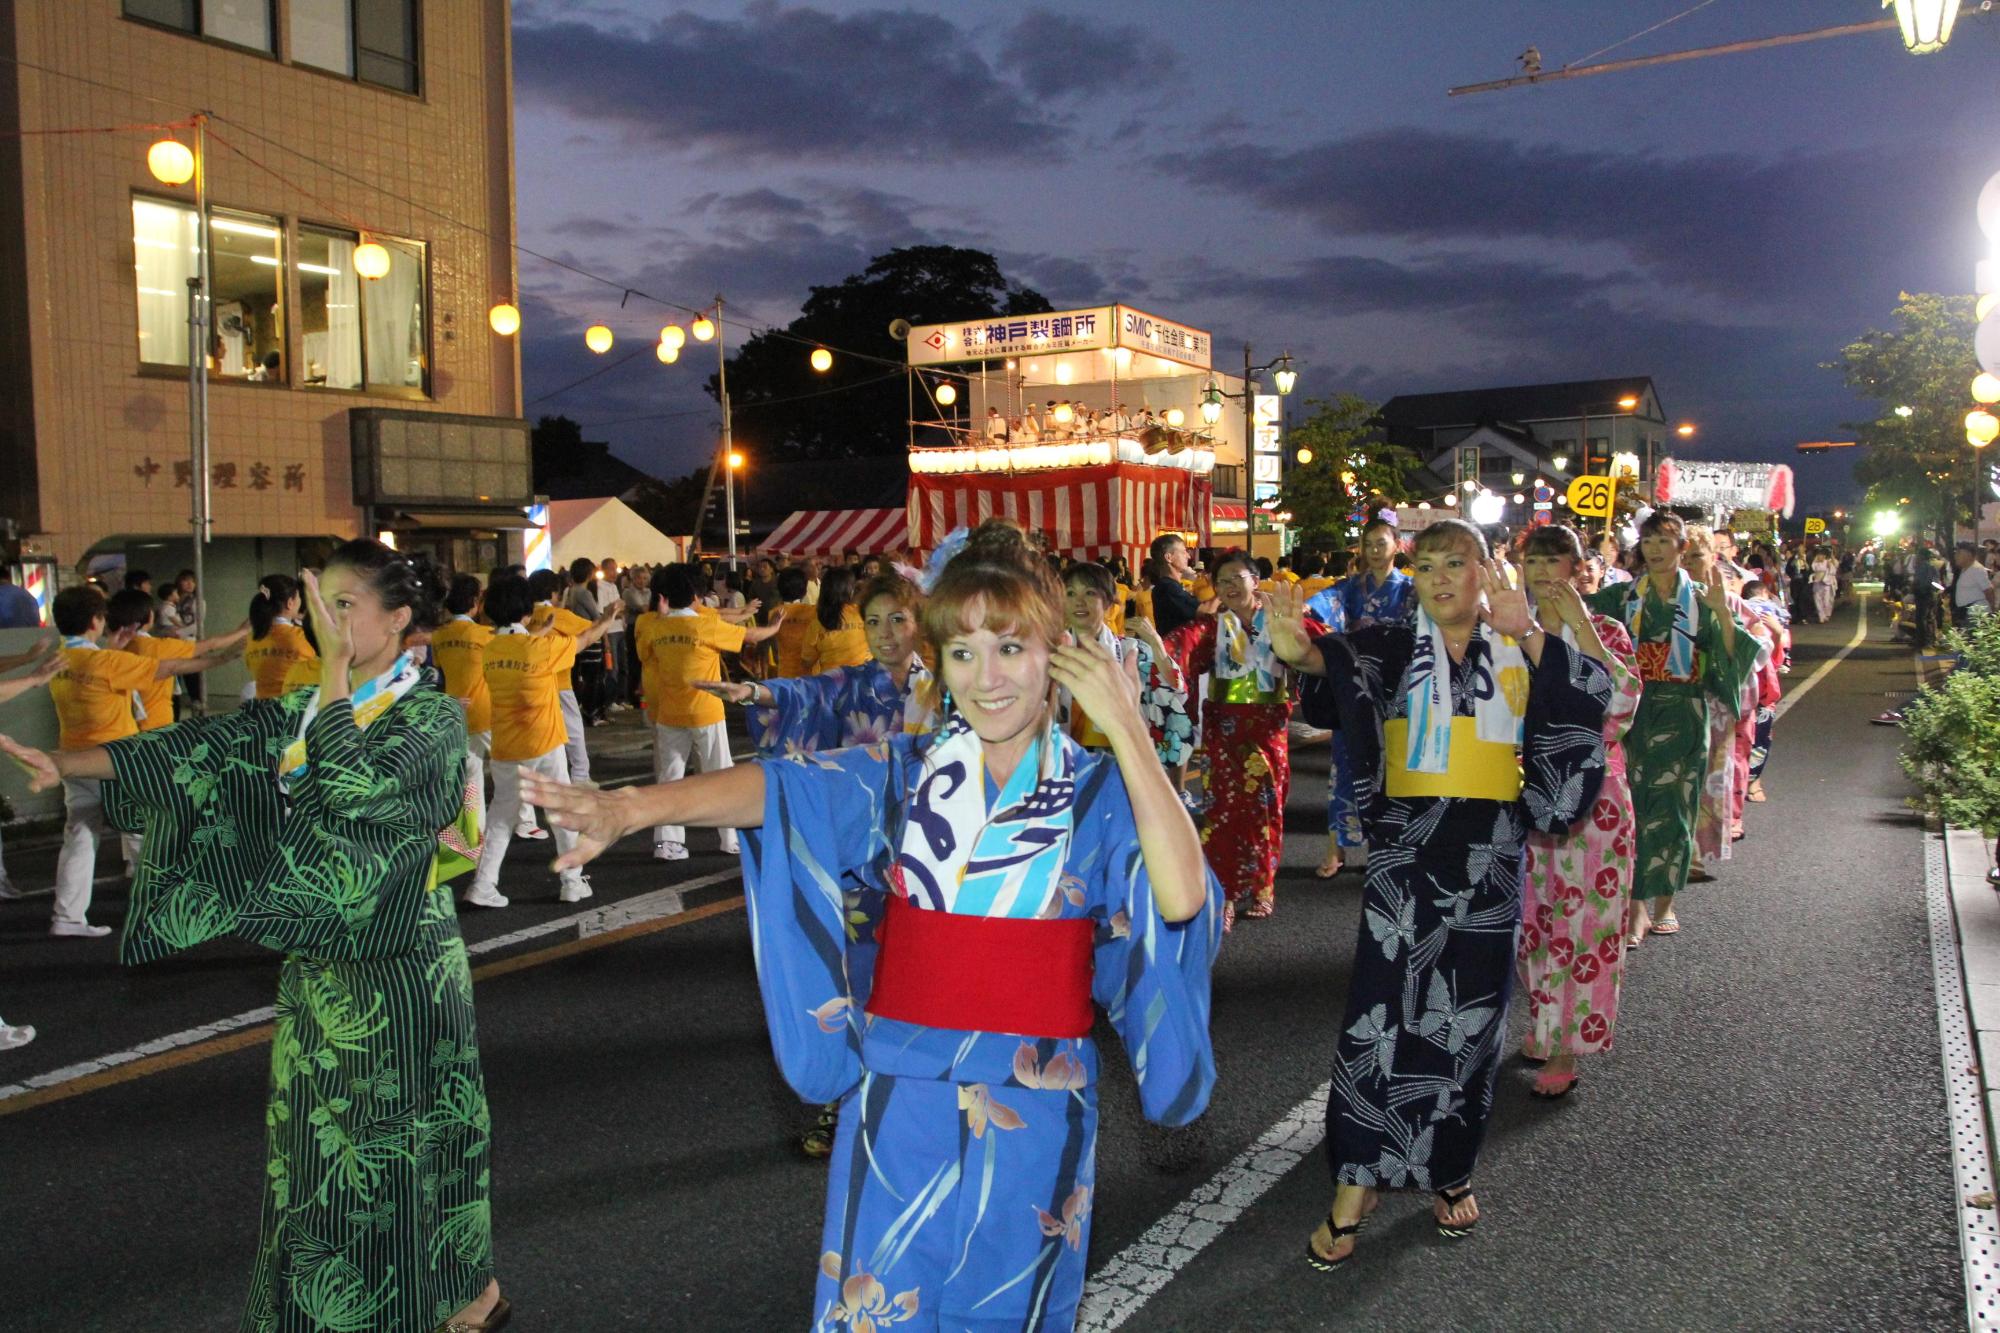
pixel 1925 364
pixel 1353 468
pixel 859 407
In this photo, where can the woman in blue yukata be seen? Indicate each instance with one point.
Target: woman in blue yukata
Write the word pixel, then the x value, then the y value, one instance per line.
pixel 1376 594
pixel 932 918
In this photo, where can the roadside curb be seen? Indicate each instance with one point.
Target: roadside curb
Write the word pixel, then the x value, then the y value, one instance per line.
pixel 1965 953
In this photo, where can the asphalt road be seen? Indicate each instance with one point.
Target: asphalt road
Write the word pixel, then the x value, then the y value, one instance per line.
pixel 1766 1148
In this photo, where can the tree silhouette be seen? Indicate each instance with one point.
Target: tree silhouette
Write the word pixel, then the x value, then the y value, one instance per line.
pixel 782 407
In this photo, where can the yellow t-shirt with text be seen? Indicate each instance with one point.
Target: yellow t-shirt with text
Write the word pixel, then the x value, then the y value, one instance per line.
pixel 158 694
pixel 459 648
pixel 680 649
pixel 272 656
pixel 568 625
pixel 791 637
pixel 524 673
pixel 93 695
pixel 822 649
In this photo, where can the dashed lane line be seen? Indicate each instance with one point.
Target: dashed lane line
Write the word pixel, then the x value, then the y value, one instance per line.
pixel 613 923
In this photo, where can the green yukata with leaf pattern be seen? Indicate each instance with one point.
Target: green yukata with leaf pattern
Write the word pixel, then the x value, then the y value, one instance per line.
pixel 376 1203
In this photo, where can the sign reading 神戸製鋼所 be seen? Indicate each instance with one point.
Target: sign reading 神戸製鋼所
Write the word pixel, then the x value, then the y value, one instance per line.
pixel 1093 328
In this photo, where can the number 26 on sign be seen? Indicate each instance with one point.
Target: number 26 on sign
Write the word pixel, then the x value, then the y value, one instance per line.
pixel 1590 497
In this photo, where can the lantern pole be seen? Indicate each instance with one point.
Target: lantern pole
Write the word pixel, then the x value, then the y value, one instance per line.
pixel 198 322
pixel 728 472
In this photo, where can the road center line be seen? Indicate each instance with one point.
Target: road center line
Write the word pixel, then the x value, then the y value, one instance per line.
pixel 1792 696
pixel 1130 1278
pixel 594 928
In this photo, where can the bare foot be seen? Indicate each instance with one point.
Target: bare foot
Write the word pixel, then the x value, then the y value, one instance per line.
pixel 475 1314
pixel 1456 1217
pixel 1331 866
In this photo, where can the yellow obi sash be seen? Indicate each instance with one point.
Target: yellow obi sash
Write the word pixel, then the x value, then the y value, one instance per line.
pixel 1480 770
pixel 1242 690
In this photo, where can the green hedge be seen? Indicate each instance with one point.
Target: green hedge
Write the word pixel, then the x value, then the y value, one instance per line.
pixel 1951 733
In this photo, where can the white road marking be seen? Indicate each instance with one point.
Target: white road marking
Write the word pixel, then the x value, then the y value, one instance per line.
pixel 1125 1282
pixel 1792 696
pixel 592 921
pixel 1130 1278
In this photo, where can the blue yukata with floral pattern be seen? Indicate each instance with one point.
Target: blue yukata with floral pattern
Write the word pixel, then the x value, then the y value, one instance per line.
pixel 1356 602
pixel 963 1172
pixel 857 705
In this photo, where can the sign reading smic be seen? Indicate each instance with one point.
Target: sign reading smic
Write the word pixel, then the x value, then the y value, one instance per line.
pixel 1162 338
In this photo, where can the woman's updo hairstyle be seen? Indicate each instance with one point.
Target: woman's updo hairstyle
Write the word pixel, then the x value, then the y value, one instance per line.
pixel 413 581
pixel 274 594
pixel 998 582
pixel 1554 539
pixel 892 585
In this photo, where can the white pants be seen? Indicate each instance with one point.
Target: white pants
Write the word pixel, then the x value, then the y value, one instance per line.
pixel 579 754
pixel 76 867
pixel 478 745
pixel 671 746
pixel 506 808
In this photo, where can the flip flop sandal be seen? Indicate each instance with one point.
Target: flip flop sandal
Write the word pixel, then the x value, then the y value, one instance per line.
pixel 817 1142
pixel 1323 872
pixel 1548 1091
pixel 1452 1199
pixel 1320 1261
pixel 1667 926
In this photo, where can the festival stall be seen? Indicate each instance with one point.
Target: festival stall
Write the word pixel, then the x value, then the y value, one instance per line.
pixel 1098 428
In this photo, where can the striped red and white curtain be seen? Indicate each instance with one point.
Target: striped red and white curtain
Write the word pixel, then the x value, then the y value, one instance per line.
pixel 1092 513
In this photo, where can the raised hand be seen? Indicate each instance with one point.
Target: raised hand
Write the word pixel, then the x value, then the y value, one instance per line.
pixel 729 691
pixel 330 627
pixel 1098 684
pixel 37 764
pixel 1559 598
pixel 1506 606
pixel 1285 622
pixel 598 818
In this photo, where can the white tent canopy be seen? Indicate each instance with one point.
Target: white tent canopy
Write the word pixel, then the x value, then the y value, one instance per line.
pixel 597 529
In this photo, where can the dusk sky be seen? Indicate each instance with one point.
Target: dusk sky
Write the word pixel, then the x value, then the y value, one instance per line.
pixel 1289 175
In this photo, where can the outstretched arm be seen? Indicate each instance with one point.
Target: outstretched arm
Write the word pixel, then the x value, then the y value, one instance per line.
pixel 729 798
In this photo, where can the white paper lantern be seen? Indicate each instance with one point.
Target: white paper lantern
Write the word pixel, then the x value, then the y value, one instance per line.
pixel 1989 208
pixel 1986 343
pixel 1486 508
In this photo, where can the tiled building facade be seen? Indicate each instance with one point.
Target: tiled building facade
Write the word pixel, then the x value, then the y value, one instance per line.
pixel 332 123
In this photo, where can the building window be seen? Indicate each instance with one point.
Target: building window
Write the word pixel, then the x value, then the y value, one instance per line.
pixel 362 334
pixel 165 245
pixel 1229 480
pixel 374 41
pixel 245 23
pixel 246 260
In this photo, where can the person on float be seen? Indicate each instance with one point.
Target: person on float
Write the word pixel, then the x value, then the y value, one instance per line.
pixel 1578 885
pixel 309 824
pixel 932 917
pixel 1378 593
pixel 1468 725
pixel 1693 660
pixel 1244 735
pixel 1089 592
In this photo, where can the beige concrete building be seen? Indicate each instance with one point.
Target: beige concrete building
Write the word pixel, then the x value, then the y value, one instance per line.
pixel 338 404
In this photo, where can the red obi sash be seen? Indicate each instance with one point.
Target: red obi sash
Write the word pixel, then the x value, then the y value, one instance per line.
pixel 983 974
pixel 1652 659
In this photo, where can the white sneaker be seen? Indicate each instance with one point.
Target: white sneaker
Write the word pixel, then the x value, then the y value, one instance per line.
pixel 670 851
pixel 533 832
pixel 480 895
pixel 78 930
pixel 574 891
pixel 19 1035
pixel 730 847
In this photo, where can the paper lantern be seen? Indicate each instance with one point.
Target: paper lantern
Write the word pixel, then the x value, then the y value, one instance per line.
pixel 668 353
pixel 674 336
pixel 597 337
pixel 1985 388
pixel 946 395
pixel 371 260
pixel 703 329
pixel 505 319
pixel 1981 427
pixel 1986 343
pixel 171 162
pixel 822 360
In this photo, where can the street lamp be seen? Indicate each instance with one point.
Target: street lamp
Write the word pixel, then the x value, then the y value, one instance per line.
pixel 1685 430
pixel 1926 24
pixel 1211 403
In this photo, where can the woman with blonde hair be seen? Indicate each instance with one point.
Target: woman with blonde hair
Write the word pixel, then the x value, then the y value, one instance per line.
pixel 932 918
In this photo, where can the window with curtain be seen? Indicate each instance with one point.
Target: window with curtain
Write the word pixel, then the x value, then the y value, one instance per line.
pixel 165 247
pixel 239 22
pixel 329 310
pixel 395 342
pixel 374 41
pixel 246 260
pixel 323 35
